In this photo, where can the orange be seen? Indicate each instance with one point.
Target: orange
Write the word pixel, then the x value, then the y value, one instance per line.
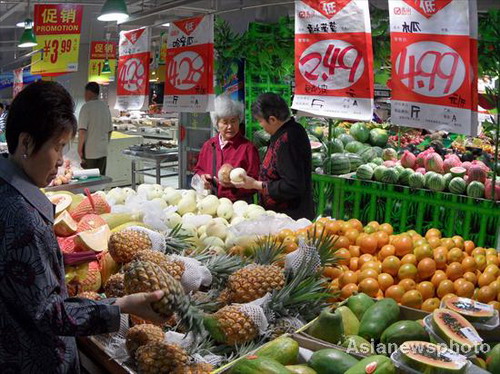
pixel 486 294
pixel 369 229
pixel 374 224
pixel 458 282
pixel 323 220
pixel 385 281
pixel 291 247
pixel 342 242
pixel 495 285
pixel 430 304
pixel 344 227
pixel 386 251
pixel 348 290
pixel 354 251
pixel 380 295
pixel 403 244
pixel 438 277
pixel 343 255
pixel 495 304
pixel 347 278
pixel 466 289
pixel 433 232
pixel 454 271
pixel 440 256
pixel 382 238
pixel 360 237
pixel 412 299
pixel 332 227
pixel 459 241
pixel 423 251
pixel 391 265
pixel 491 251
pixel 369 286
pixel 352 235
pixel 408 284
pixel 375 265
pixel 289 239
pixel 480 262
pixel 469 264
pixel 368 273
pixel 332 272
pixel 426 289
pixel 470 277
pixel 492 260
pixel 353 263
pixel 455 255
pixel 478 251
pixel 387 228
pixel 368 244
pixel 364 258
pixel 395 292
pixel 493 269
pixel 407 271
pixel 419 241
pixel 409 259
pixel 434 242
pixel 445 287
pixel 356 224
pixel 469 246
pixel 284 233
pixel 426 268
pixel 448 296
pixel 448 243
pixel 485 279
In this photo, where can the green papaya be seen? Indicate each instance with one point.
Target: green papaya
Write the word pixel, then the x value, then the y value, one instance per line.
pixel 359 304
pixel 328 327
pixel 284 349
pixel 331 361
pixel 374 365
pixel 377 318
pixel 300 369
pixel 349 321
pixel 402 331
pixel 262 365
pixel 356 344
pixel 493 359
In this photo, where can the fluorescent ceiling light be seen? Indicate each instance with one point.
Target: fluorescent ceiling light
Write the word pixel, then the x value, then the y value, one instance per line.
pixel 166 24
pixel 114 10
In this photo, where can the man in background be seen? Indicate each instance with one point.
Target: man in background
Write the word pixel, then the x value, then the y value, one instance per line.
pixel 3 120
pixel 94 130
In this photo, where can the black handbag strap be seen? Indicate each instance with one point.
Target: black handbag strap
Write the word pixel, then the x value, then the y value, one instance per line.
pixel 214 169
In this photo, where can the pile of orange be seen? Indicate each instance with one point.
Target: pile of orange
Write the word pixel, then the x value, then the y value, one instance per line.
pixel 417 271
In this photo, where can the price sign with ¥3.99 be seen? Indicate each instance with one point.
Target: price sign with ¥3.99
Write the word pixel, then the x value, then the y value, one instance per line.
pixel 60 54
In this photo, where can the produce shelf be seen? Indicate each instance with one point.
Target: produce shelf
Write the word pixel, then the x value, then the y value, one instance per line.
pixel 406 208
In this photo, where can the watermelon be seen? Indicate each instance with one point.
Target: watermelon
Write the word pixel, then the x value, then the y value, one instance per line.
pixel 360 132
pixel 404 176
pixel 447 179
pixel 378 161
pixel 318 159
pixel 346 139
pixel 378 137
pixel 399 168
pixel 408 159
pixel 476 173
pixel 364 172
pixel 312 138
pixel 427 176
pixel 451 161
pixel 457 186
pixel 389 154
pixel 436 182
pixel 355 160
pixel 390 175
pixel 378 151
pixel 475 189
pixel 416 180
pixel 458 171
pixel 337 131
pixel 336 146
pixel 372 165
pixel 261 138
pixel 434 162
pixel 490 192
pixel 368 154
pixel 317 131
pixel 338 164
pixel 354 147
pixel 378 172
pixel 316 146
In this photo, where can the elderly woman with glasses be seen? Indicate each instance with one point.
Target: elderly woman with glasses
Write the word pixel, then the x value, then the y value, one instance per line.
pixel 229 146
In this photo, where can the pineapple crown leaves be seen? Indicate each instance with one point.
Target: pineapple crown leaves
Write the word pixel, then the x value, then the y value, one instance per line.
pixel 176 241
pixel 267 250
pixel 221 267
pixel 325 245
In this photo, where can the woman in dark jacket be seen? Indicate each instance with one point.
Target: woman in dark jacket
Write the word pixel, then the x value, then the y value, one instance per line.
pixel 38 322
pixel 284 183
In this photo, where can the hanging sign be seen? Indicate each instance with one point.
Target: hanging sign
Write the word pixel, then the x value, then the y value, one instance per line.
pixel 57 29
pixel 189 82
pixel 18 82
pixel 133 70
pixel 434 64
pixel 99 52
pixel 333 59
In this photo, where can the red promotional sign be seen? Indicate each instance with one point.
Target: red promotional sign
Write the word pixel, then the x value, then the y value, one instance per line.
pixel 101 50
pixel 333 59
pixel 133 70
pixel 189 66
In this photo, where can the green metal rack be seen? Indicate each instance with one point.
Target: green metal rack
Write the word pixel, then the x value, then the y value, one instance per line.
pixel 406 208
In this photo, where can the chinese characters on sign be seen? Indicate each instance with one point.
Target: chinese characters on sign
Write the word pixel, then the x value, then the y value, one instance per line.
pixel 99 52
pixel 57 28
pixel 133 70
pixel 333 59
pixel 434 61
pixel 189 66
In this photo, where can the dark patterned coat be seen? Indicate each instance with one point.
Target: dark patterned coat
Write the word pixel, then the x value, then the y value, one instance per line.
pixel 38 322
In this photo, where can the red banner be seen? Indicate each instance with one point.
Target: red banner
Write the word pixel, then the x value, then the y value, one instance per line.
pixel 101 50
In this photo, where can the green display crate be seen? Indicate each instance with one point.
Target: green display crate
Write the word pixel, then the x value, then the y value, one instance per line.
pixel 408 209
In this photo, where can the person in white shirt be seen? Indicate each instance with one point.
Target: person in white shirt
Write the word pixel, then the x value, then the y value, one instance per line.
pixel 3 120
pixel 94 130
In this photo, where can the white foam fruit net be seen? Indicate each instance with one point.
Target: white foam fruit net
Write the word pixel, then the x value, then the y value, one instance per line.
pixel 255 311
pixel 304 255
pixel 157 239
pixel 195 274
pixel 185 341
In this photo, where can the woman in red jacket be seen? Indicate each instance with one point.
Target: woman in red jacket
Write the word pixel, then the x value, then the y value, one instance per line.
pixel 229 146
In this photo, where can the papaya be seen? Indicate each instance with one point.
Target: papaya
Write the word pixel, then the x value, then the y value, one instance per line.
pixel 374 365
pixel 349 321
pixel 377 318
pixel 300 369
pixel 493 359
pixel 262 365
pixel 285 350
pixel 402 331
pixel 356 344
pixel 331 361
pixel 359 304
pixel 328 327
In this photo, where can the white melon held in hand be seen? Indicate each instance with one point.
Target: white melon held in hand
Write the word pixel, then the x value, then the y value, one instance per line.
pixel 237 175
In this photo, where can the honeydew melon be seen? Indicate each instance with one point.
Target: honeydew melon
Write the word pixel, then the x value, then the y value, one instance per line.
pixel 173 220
pixel 213 241
pixel 225 211
pixel 208 205
pixel 62 201
pixel 65 225
pixel 116 219
pixel 216 229
pixel 186 205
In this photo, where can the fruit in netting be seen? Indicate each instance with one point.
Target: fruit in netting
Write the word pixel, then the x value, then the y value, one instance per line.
pixel 237 175
pixel 115 286
pixel 67 245
pixel 123 245
pixel 434 162
pixel 449 325
pixel 140 335
pixel 224 173
pixel 91 295
pixel 231 325
pixel 488 193
pixel 92 282
pixel 92 204
pixel 161 358
pixel 64 224
pixel 408 160
pixel 94 240
pixel 175 268
pixel 90 222
pixel 476 173
pixel 451 161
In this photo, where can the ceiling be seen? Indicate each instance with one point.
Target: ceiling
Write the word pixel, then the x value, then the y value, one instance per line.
pixel 153 13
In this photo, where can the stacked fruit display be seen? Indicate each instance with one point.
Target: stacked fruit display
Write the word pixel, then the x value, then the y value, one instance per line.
pixel 64 175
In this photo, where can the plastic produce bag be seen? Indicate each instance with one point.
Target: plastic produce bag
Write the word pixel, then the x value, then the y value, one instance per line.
pixel 199 186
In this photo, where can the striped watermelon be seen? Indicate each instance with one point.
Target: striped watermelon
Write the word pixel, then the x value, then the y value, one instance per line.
pixel 416 180
pixel 372 165
pixel 355 160
pixel 475 189
pixel 364 172
pixel 427 176
pixel 390 175
pixel 436 182
pixel 360 131
pixel 458 171
pixel 367 154
pixel 346 139
pixel 379 151
pixel 447 179
pixel 336 146
pixel 378 172
pixel 378 161
pixel 338 164
pixel 399 168
pixel 337 131
pixel 354 146
pixel 457 186
pixel 404 176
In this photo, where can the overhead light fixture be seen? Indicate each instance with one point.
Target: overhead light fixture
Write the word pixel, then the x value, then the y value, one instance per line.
pixel 23 23
pixel 106 69
pixel 28 38
pixel 166 24
pixel 114 10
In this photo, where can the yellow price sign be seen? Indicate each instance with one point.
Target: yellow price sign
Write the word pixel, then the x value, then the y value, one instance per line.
pixel 96 74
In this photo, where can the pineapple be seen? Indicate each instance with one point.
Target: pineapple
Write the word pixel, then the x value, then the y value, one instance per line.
pixel 140 335
pixel 89 295
pixel 159 357
pixel 114 287
pixel 285 325
pixel 123 245
pixel 168 324
pixel 173 267
pixel 230 325
pixel 200 368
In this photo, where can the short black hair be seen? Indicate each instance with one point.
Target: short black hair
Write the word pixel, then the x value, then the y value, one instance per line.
pixel 269 104
pixel 42 110
pixel 92 87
